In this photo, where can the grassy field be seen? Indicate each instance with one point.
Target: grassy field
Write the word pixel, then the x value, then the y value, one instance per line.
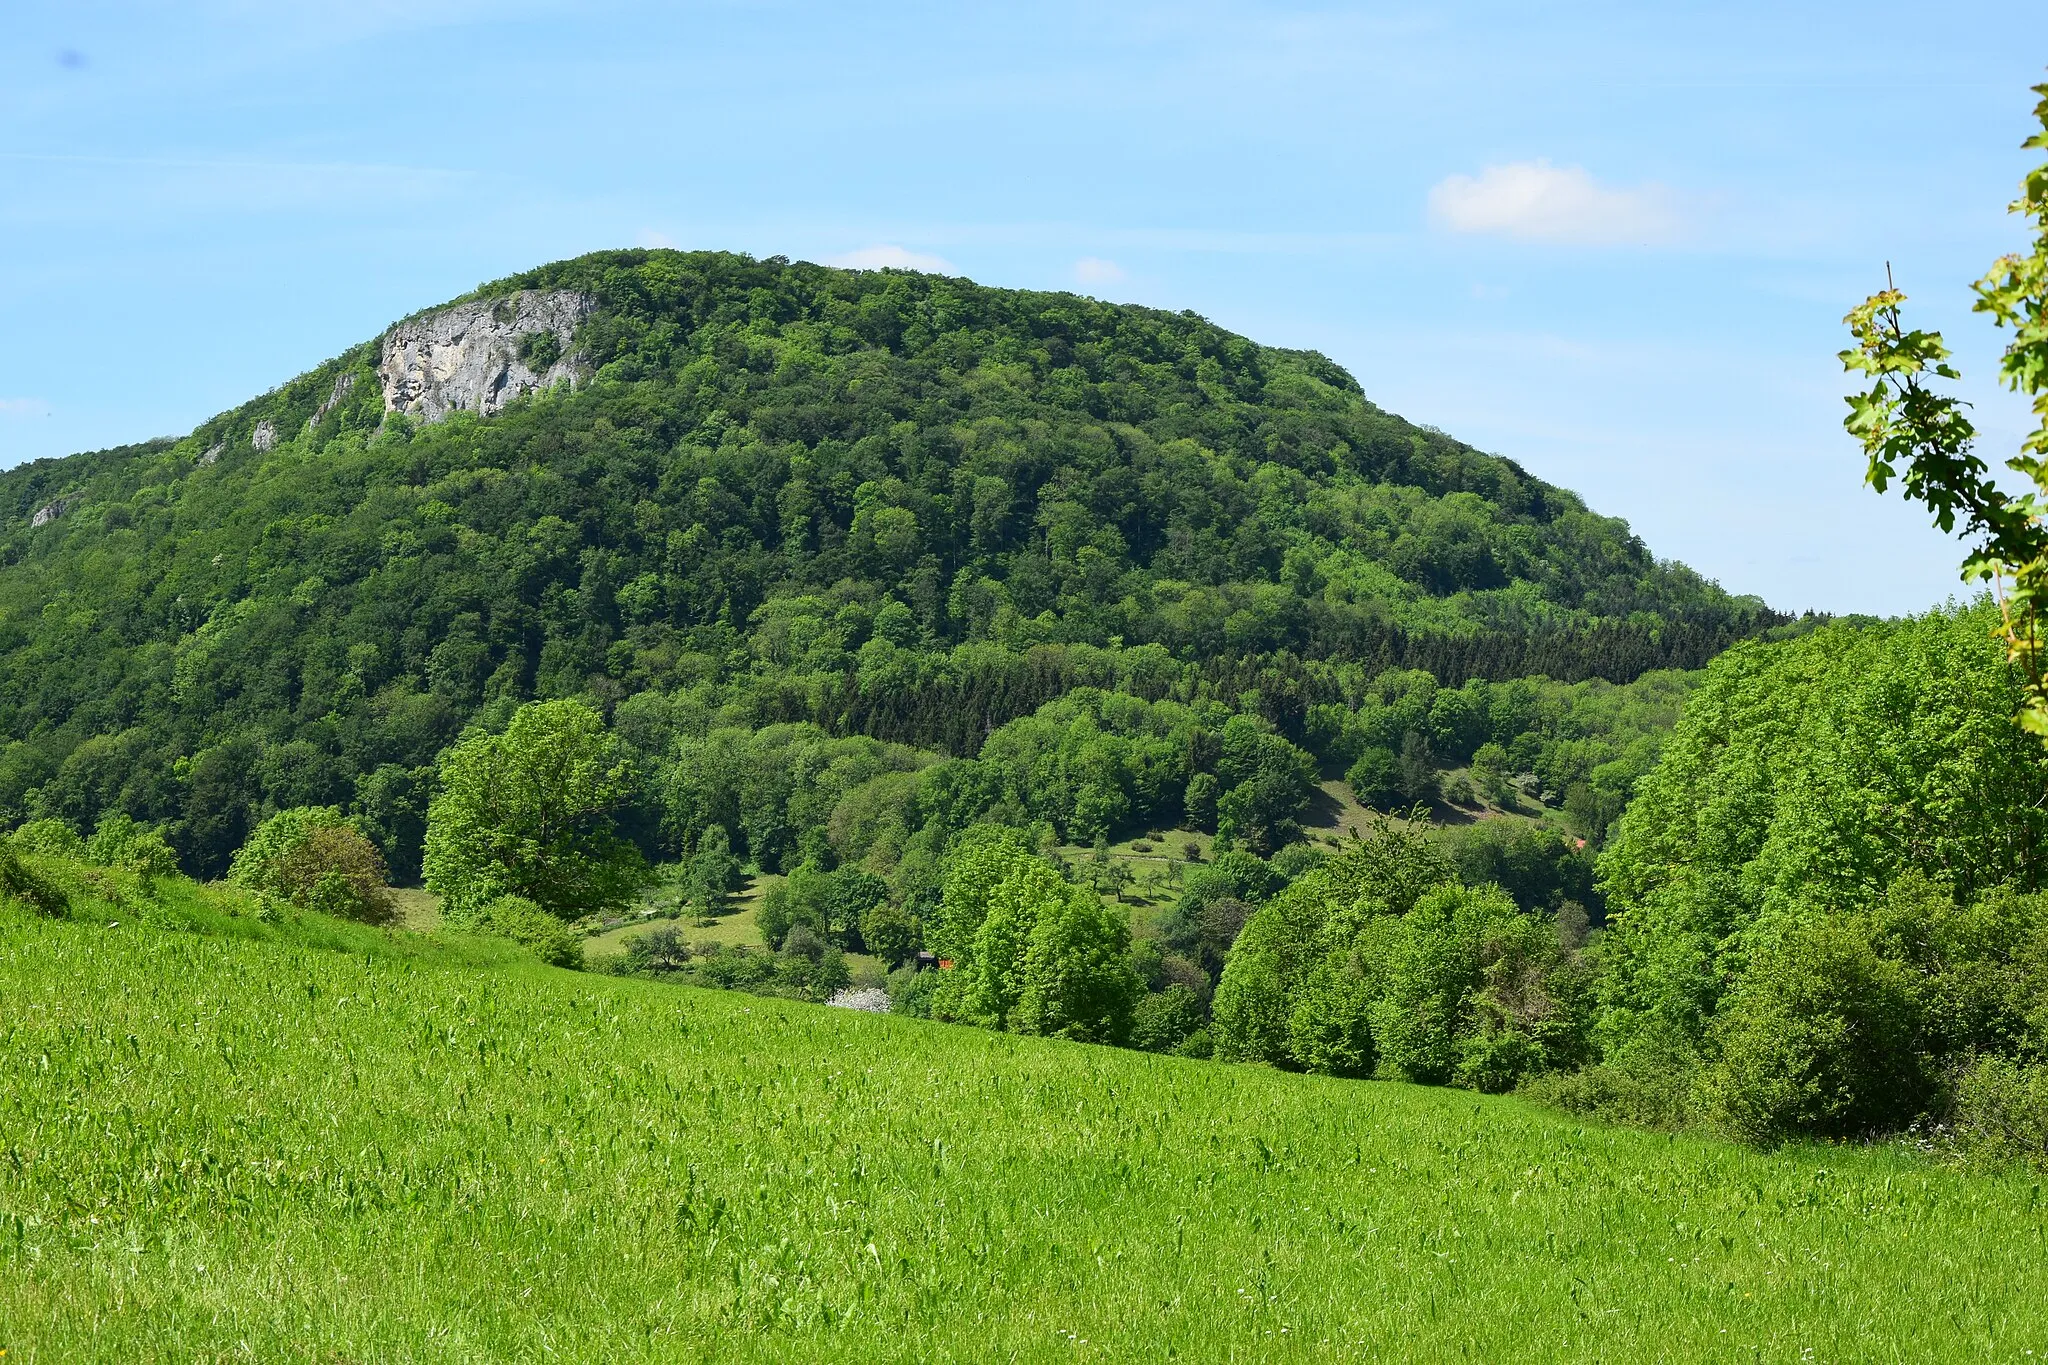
pixel 246 1148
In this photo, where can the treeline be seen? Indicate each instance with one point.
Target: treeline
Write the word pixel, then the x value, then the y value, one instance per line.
pixel 1824 919
pixel 878 503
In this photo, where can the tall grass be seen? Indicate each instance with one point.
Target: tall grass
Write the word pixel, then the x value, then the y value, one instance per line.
pixel 254 1148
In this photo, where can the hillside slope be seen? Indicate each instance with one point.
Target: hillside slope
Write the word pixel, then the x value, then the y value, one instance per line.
pixel 220 1148
pixel 886 503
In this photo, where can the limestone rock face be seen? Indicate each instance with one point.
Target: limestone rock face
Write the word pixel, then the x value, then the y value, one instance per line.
pixel 477 357
pixel 265 435
pixel 49 512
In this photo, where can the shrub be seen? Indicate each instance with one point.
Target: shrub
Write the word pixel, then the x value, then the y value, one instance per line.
pixel 19 881
pixel 532 928
pixel 1819 1037
pixel 120 842
pixel 1166 1019
pixel 314 857
pixel 2002 1110
pixel 51 838
pixel 1295 859
pixel 911 992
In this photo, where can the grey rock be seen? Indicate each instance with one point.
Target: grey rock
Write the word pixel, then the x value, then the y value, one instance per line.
pixel 466 358
pixel 343 384
pixel 213 453
pixel 50 511
pixel 265 435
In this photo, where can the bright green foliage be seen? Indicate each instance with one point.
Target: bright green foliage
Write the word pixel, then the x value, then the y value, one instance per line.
pixel 978 860
pixel 52 838
pixel 713 873
pixel 994 976
pixel 1379 963
pixel 1921 437
pixel 1825 900
pixel 314 858
pixel 119 842
pixel 382 1154
pixel 22 883
pixel 1805 778
pixel 529 813
pixel 1163 1021
pixel 1077 976
pixel 532 928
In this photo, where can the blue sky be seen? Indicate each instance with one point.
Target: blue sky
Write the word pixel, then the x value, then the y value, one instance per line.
pixel 1611 241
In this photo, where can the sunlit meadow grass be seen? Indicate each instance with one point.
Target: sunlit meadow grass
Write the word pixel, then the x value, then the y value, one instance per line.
pixel 240 1148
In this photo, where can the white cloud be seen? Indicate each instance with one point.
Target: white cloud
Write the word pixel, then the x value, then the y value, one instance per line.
pixel 1095 270
pixel 884 257
pixel 1536 201
pixel 23 407
pixel 648 237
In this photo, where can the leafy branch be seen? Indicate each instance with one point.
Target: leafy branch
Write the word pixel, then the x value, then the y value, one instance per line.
pixel 1924 439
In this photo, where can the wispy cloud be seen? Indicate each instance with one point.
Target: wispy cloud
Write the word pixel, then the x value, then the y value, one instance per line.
pixel 648 237
pixel 1095 270
pixel 24 407
pixel 887 257
pixel 1536 201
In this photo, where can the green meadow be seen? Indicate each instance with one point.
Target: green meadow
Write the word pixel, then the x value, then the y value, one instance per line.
pixel 228 1140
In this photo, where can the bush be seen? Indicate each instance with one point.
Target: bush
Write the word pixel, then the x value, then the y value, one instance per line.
pixel 1818 1038
pixel 911 991
pixel 314 857
pixel 1166 1019
pixel 1295 859
pixel 51 838
pixel 532 928
pixel 1375 779
pixel 2002 1111
pixel 19 881
pixel 1656 1096
pixel 120 842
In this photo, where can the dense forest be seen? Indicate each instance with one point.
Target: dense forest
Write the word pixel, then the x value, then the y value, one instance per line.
pixel 870 505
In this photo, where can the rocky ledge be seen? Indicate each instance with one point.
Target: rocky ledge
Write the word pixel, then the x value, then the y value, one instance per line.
pixel 477 357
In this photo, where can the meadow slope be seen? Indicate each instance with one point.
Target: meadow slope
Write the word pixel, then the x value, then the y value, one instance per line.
pixel 221 1149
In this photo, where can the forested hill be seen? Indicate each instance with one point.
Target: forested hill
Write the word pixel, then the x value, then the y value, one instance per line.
pixel 881 502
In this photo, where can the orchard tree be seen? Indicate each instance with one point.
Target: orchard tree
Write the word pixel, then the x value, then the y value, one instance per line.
pixel 1923 439
pixel 529 813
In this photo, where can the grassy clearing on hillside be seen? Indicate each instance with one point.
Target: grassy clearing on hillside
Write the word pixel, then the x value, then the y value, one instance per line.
pixel 220 1148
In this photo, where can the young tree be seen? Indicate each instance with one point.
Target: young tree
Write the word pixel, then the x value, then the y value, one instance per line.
pixel 529 813
pixel 1905 425
pixel 1077 977
pixel 714 873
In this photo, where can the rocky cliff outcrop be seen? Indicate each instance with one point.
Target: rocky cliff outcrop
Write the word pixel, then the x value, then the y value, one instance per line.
pixel 49 512
pixel 477 357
